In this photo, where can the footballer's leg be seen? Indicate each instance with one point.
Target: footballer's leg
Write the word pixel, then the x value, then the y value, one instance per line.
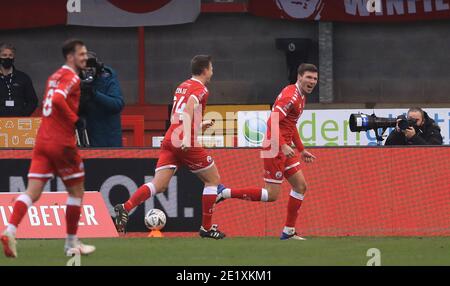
pixel 273 178
pixel 165 169
pixel 268 193
pixel 69 166
pixel 296 195
pixel 21 205
pixel 73 246
pixel 41 170
pixel 201 164
pixel 159 184
pixel 211 178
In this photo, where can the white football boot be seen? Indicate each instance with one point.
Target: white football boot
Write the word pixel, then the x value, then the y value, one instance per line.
pixel 9 244
pixel 289 233
pixel 78 248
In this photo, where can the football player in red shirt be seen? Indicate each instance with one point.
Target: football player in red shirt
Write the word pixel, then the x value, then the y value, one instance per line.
pixel 180 147
pixel 284 161
pixel 55 151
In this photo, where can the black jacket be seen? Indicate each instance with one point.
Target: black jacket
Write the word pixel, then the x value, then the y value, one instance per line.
pixel 23 95
pixel 428 134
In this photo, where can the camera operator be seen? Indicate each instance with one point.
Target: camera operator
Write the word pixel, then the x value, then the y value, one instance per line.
pixel 425 131
pixel 100 104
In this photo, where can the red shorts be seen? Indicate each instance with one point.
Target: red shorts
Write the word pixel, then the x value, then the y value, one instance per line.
pixel 280 166
pixel 50 159
pixel 195 158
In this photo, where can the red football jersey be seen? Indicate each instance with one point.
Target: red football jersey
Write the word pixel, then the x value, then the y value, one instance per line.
pixel 191 87
pixel 60 108
pixel 289 105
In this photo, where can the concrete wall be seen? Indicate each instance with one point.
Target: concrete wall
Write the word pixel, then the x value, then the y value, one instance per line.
pixel 247 66
pixel 39 52
pixel 374 63
pixel 392 63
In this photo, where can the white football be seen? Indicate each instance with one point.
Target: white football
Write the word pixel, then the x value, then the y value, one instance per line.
pixel 155 219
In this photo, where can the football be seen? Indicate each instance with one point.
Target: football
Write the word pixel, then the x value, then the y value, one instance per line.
pixel 155 219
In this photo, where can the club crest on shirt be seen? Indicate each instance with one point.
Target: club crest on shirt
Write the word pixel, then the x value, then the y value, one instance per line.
pixel 287 106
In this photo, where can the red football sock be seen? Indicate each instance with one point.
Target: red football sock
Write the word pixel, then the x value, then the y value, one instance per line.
pixel 250 194
pixel 294 204
pixel 141 195
pixel 72 219
pixel 73 212
pixel 208 201
pixel 20 209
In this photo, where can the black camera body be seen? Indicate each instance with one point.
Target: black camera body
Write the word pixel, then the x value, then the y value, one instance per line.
pixel 404 123
pixel 88 76
pixel 93 68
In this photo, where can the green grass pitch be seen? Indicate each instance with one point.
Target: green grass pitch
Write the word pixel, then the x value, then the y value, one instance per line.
pixel 240 251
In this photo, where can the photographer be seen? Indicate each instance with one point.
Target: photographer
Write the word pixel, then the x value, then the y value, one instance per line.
pixel 100 104
pixel 424 132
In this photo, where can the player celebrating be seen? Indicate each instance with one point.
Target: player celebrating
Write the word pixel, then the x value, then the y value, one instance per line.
pixel 56 152
pixel 286 111
pixel 180 147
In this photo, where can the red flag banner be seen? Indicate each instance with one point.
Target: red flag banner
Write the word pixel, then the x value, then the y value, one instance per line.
pixel 20 14
pixel 352 10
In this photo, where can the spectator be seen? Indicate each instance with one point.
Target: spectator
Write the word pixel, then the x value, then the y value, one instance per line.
pixel 101 103
pixel 17 95
pixel 424 132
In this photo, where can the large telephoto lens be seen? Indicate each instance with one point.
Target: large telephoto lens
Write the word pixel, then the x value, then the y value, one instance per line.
pixel 363 122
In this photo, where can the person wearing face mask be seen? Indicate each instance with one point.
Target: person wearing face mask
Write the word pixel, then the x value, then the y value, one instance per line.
pixel 17 95
pixel 100 105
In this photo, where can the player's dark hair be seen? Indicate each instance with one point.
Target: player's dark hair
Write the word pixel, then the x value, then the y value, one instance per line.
pixel 417 109
pixel 199 63
pixel 70 46
pixel 306 68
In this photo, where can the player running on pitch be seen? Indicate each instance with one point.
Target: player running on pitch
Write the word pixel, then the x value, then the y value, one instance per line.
pixel 56 152
pixel 177 149
pixel 286 111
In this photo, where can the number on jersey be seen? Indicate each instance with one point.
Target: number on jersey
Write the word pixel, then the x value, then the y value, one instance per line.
pixel 47 108
pixel 180 105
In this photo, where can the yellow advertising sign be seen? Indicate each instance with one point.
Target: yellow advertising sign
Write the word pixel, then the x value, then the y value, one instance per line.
pixel 18 132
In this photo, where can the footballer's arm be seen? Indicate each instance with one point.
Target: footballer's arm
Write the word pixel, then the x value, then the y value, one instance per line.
pixel 188 113
pixel 298 142
pixel 305 155
pixel 59 101
pixel 285 148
